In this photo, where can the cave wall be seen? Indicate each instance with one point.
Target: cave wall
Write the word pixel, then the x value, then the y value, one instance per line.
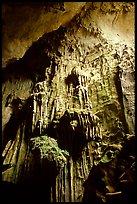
pixel 24 23
pixel 85 68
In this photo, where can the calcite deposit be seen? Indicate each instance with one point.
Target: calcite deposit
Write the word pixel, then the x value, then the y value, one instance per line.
pixel 75 86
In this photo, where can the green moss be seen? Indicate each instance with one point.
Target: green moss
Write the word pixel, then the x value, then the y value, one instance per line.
pixel 107 151
pixel 48 149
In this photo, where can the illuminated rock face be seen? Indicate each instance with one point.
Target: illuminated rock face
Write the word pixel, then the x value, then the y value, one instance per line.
pixel 75 85
pixel 25 23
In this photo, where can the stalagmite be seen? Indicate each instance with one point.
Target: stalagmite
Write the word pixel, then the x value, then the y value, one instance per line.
pixel 53 112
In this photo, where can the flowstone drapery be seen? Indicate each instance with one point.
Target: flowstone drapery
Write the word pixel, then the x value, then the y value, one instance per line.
pixel 71 122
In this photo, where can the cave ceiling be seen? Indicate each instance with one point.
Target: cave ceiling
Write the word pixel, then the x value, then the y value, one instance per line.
pixel 25 23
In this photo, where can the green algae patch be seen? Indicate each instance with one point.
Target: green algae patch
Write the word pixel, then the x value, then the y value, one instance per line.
pixel 47 149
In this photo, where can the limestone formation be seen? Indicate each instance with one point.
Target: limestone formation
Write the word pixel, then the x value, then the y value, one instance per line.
pixel 68 108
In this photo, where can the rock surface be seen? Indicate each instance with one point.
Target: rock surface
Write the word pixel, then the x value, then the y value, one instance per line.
pixel 76 85
pixel 25 23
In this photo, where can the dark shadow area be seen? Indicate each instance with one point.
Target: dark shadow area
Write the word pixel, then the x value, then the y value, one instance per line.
pixel 31 66
pixel 9 191
pixel 73 139
pixel 93 183
pixel 126 170
pixel 36 192
pixel 72 79
pixel 44 51
pixel 6 166
pixel 36 186
pixel 34 183
pixel 120 98
pixel 21 116
pixel 119 174
pixel 15 70
pixel 36 59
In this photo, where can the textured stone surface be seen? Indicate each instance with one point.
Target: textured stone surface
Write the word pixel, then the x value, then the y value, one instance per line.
pixel 33 20
pixel 25 23
pixel 75 84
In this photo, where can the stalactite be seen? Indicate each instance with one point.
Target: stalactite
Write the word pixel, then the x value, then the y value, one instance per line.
pixel 56 190
pixel 49 105
pixel 85 168
pixel 71 180
pixel 90 156
pixel 5 151
pixel 53 109
pixel 61 186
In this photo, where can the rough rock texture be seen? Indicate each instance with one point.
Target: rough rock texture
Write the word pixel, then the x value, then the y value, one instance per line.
pixel 76 85
pixel 24 23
